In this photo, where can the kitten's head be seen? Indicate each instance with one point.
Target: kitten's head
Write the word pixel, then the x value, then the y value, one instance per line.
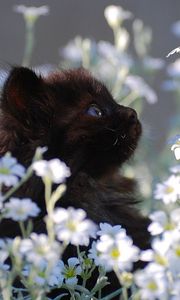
pixel 70 112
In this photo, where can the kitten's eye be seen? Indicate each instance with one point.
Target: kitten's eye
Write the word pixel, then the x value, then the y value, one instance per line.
pixel 94 111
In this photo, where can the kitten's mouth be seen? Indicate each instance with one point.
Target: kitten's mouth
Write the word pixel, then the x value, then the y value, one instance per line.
pixel 123 136
pixel 132 134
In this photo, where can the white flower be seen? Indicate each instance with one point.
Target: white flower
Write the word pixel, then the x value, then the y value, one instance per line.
pixel 138 85
pixel 71 271
pixel 173 254
pixel 115 15
pixel 10 170
pixel 176 149
pixel 73 51
pixel 119 253
pixel 32 13
pixel 72 227
pixel 45 275
pixel 54 169
pixel 162 222
pixel 152 283
pixel 38 250
pixel 109 231
pixel 174 69
pixel 158 253
pixel 20 209
pixel 169 190
pixel 95 254
pixel 56 277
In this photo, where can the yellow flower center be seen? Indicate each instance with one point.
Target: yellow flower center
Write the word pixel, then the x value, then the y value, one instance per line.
pixel 178 251
pixel 152 286
pixel 4 171
pixel 70 272
pixel 169 190
pixel 115 253
pixel 71 226
pixel 20 211
pixel 40 250
pixel 169 226
pixel 161 260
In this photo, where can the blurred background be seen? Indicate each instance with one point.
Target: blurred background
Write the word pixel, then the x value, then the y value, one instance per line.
pixel 130 56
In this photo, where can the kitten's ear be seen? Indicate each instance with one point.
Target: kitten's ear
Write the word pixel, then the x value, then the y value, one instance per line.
pixel 22 90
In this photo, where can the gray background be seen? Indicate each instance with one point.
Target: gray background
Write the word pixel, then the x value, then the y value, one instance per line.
pixel 69 18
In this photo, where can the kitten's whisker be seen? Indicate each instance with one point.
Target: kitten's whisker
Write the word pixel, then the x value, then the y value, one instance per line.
pixel 123 136
pixel 116 141
pixel 110 129
pixel 131 148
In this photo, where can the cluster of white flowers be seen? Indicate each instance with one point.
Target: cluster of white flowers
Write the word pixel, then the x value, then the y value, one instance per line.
pixel 160 278
pixel 55 275
pixel 71 226
pixel 114 250
pixel 39 255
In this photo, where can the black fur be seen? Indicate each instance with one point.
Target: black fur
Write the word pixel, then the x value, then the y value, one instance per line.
pixel 53 112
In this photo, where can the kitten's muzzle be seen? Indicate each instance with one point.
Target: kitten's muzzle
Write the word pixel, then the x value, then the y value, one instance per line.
pixel 129 124
pixel 132 116
pixel 127 114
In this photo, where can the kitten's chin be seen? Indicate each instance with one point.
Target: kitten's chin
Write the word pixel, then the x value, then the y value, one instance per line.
pixel 135 131
pixel 129 136
pixel 127 142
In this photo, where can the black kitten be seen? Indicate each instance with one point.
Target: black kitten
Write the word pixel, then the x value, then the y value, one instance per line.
pixel 77 118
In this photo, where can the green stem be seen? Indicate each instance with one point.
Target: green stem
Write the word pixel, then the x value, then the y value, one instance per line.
pixel 81 264
pixel 56 195
pixel 23 230
pixel 48 188
pixel 49 208
pixel 115 33
pixel 50 229
pixel 78 288
pixel 29 44
pixel 112 295
pixel 20 183
pixel 124 293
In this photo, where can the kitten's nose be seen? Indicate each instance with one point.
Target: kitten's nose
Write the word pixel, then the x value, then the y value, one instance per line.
pixel 128 114
pixel 132 115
